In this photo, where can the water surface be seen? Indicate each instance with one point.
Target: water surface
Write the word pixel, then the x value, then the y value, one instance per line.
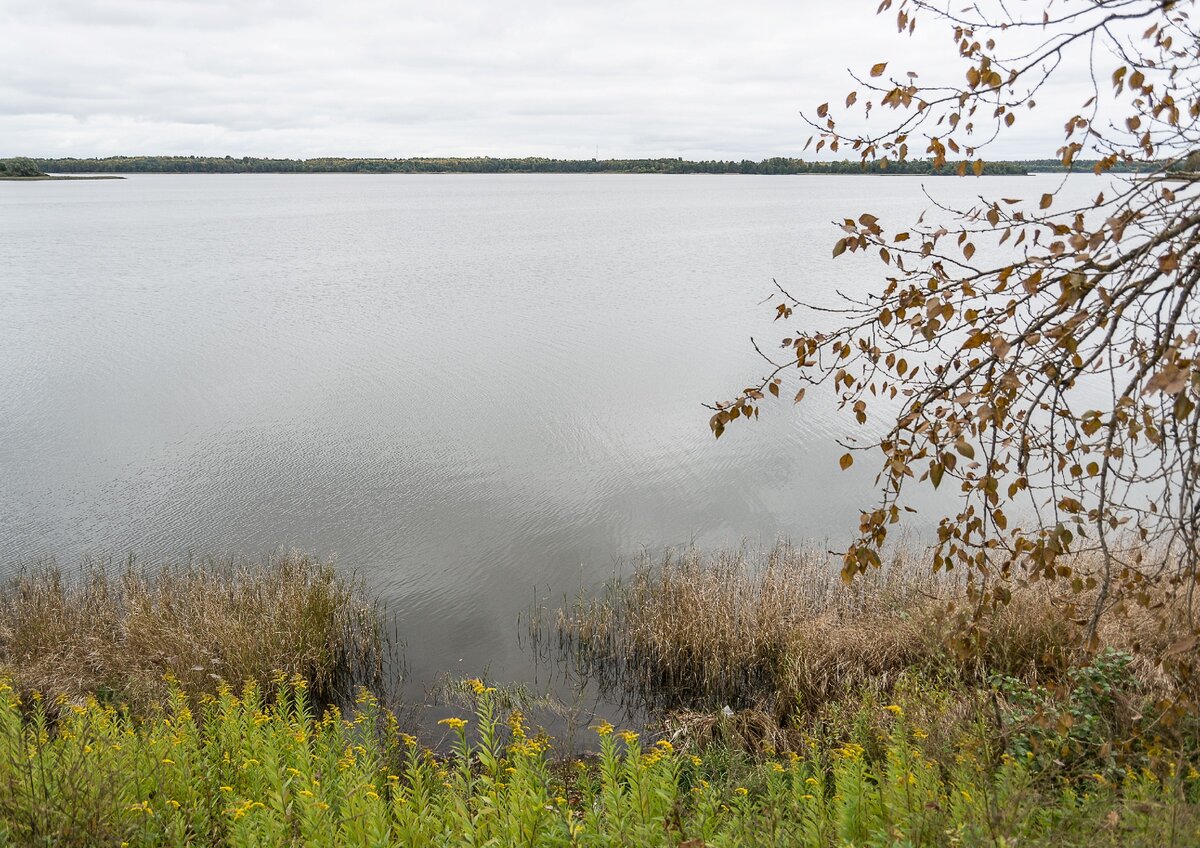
pixel 474 390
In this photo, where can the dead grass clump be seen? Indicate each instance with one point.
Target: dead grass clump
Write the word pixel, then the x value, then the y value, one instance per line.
pixel 117 632
pixel 737 730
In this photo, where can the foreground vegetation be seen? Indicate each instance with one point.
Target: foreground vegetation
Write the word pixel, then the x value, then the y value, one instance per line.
pixel 792 713
pixel 247 769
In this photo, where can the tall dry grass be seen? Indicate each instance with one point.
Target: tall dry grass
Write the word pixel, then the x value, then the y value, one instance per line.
pixel 117 632
pixel 779 631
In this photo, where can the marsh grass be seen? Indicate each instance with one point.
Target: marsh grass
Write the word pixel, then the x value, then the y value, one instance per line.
pixel 777 631
pixel 116 631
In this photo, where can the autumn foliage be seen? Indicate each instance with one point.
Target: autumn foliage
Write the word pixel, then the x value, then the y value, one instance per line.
pixel 1054 387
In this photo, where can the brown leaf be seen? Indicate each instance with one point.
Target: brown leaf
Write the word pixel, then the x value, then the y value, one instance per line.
pixel 1182 646
pixel 877 70
pixel 846 461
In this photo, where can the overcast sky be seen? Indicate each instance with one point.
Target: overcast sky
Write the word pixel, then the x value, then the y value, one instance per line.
pixel 564 78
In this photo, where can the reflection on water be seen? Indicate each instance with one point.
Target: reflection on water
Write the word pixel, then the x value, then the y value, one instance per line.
pixel 475 390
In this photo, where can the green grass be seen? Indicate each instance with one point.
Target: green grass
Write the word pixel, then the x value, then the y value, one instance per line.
pixel 259 768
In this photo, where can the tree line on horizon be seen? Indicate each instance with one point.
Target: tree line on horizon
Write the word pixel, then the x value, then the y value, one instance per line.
pixel 526 165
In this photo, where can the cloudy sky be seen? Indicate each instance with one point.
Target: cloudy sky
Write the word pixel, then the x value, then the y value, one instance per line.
pixel 565 78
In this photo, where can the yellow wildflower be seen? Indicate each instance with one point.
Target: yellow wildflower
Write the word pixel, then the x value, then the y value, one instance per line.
pixel 895 709
pixel 454 723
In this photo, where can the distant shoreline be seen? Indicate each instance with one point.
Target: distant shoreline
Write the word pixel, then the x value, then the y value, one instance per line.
pixel 538 165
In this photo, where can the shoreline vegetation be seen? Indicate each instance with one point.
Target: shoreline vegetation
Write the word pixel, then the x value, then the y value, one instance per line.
pixel 535 165
pixel 21 168
pixel 245 703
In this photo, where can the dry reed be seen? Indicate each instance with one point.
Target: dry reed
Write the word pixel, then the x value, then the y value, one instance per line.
pixel 777 631
pixel 118 632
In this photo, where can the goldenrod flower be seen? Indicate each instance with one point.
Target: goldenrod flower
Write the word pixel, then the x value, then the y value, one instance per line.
pixel 454 723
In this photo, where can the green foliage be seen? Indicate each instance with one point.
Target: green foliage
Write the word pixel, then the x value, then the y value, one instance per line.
pixel 245 769
pixel 1074 730
pixel 19 167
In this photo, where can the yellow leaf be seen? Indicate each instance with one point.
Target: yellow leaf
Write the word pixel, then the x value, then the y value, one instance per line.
pixel 877 70
pixel 846 461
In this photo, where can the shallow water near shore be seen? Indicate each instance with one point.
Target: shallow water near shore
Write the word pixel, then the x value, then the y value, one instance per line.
pixel 477 391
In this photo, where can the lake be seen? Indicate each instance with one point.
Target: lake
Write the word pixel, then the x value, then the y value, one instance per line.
pixel 474 390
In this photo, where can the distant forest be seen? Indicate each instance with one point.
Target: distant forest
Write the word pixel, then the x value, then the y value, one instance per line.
pixel 527 165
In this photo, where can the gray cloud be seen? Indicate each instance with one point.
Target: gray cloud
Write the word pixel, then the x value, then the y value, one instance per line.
pixel 378 77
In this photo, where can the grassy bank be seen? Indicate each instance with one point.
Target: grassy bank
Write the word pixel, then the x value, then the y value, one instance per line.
pixel 117 631
pixel 248 770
